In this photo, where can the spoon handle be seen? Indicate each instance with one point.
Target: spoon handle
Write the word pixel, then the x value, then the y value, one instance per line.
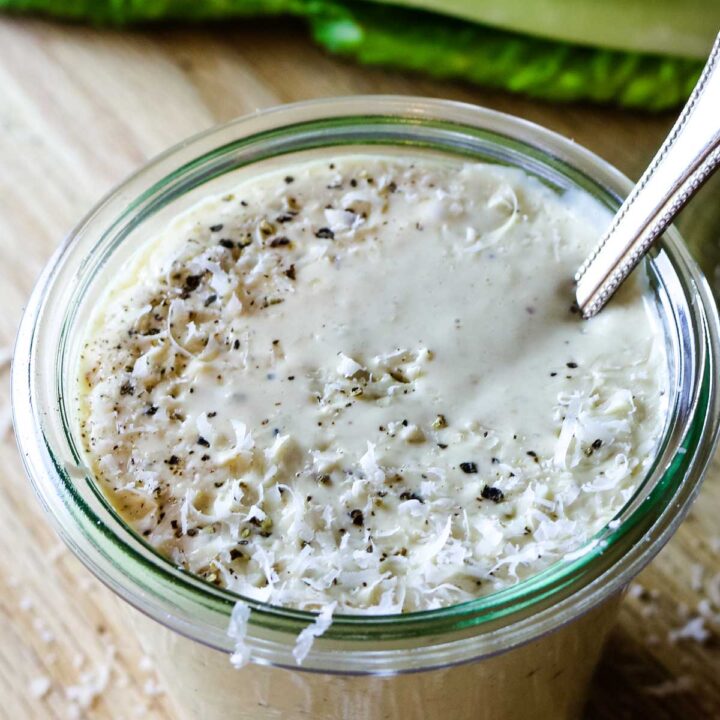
pixel 685 161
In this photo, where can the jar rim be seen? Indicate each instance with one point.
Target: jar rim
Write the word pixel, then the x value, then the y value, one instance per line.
pixel 508 617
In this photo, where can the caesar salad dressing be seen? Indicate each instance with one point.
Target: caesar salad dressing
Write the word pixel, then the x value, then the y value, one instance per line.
pixel 360 384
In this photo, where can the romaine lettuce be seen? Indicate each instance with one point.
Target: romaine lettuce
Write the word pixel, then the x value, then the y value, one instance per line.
pixel 441 45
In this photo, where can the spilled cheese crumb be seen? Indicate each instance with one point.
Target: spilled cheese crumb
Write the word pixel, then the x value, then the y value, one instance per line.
pixel 694 629
pixel 39 687
pixel 91 685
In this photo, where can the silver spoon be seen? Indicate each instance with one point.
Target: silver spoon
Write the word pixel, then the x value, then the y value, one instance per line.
pixel 687 158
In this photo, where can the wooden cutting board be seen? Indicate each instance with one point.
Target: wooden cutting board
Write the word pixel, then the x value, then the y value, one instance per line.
pixel 82 108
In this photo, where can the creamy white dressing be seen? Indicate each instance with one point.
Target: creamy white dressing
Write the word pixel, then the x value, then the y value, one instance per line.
pixel 361 382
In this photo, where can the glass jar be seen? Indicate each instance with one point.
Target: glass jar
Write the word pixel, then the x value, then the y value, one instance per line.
pixel 530 647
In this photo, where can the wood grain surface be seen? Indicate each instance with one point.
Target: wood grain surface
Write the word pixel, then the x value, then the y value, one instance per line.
pixel 79 110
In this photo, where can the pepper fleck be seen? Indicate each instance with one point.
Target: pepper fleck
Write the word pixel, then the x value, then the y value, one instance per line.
pixel 468 467
pixel 325 233
pixel 411 496
pixel 191 283
pixel 357 517
pixel 492 493
pixel 280 242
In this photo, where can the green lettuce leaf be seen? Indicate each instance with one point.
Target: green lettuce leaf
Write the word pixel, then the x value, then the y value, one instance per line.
pixel 448 48
pixel 126 12
pixel 662 27
pixel 432 43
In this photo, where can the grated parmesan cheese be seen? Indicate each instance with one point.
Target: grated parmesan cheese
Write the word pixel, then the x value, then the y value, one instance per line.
pixel 697 573
pixel 306 638
pixel 694 629
pixel 91 686
pixel 237 631
pixel 39 687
